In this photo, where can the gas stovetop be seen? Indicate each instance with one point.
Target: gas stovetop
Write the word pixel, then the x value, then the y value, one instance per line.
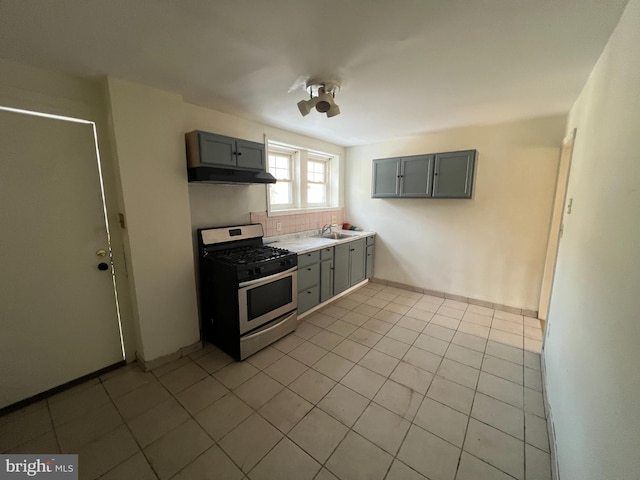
pixel 239 252
pixel 249 255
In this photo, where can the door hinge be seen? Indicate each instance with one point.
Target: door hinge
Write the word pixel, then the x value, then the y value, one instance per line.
pixel 121 219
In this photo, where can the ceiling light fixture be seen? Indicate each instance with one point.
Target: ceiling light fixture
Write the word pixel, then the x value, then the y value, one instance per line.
pixel 323 101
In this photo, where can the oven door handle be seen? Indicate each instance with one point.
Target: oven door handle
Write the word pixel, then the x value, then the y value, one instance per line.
pixel 270 278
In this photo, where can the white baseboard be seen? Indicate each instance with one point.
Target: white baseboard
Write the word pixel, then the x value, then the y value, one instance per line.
pixel 551 430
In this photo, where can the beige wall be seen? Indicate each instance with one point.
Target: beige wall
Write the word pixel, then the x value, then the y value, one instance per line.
pixel 491 247
pixel 149 150
pixel 591 351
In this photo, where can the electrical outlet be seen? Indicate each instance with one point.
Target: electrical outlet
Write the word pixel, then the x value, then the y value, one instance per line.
pixel 278 226
pixel 334 219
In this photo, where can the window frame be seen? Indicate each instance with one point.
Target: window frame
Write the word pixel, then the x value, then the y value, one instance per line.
pixel 326 161
pixel 300 158
pixel 291 154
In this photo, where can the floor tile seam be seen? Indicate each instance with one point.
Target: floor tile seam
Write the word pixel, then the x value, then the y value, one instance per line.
pixel 508 320
pixel 490 464
pixel 498 329
pixel 140 449
pixel 323 464
pixel 504 378
pixel 467 431
pixel 19 419
pixel 505 360
pixel 126 460
pixel 440 438
pixel 323 355
pixel 498 428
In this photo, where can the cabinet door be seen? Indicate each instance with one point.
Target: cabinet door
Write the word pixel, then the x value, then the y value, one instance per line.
pixel 326 280
pixel 415 176
pixel 250 155
pixel 453 174
pixel 369 264
pixel 308 299
pixel 357 261
pixel 217 150
pixel 386 178
pixel 308 276
pixel 341 268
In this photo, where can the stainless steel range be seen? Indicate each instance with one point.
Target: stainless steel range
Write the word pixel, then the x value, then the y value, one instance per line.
pixel 248 291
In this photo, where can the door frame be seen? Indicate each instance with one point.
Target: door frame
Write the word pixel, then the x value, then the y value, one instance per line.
pixel 557 224
pixel 84 100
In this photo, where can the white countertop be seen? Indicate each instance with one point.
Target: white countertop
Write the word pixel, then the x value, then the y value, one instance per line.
pixel 304 242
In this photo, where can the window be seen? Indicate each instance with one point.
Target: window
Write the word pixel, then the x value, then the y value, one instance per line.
pixel 317 185
pixel 281 167
pixel 306 179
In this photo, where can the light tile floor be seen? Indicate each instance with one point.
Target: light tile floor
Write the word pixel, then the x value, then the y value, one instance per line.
pixel 382 384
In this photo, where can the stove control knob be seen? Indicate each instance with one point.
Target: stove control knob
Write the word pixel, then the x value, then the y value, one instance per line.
pixel 249 272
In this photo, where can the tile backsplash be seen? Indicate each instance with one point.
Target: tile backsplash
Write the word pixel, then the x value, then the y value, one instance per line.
pixel 297 222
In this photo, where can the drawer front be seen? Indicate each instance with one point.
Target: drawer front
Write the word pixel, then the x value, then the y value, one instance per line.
pixel 308 299
pixel 308 276
pixel 371 240
pixel 326 253
pixel 308 258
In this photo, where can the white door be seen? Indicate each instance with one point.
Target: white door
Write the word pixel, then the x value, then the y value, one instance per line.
pixel 58 315
pixel 555 231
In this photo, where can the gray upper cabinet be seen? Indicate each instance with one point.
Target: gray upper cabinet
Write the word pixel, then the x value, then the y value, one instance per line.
pixel 210 149
pixel 386 177
pixel 415 176
pixel 453 174
pixel 440 175
pixel 250 155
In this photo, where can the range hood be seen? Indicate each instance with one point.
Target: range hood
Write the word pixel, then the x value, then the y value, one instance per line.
pixel 204 174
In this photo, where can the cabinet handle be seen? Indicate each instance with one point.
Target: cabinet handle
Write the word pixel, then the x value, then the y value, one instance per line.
pixel 309 292
pixel 308 269
pixel 239 153
pixel 352 250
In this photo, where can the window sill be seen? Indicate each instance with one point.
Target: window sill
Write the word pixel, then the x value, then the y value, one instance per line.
pixel 294 211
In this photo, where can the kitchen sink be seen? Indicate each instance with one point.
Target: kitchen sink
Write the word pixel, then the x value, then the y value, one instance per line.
pixel 335 235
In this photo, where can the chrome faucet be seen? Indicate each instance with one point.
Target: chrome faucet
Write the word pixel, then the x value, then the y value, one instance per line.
pixel 327 228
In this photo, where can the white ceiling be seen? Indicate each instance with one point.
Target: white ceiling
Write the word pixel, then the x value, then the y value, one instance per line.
pixel 407 66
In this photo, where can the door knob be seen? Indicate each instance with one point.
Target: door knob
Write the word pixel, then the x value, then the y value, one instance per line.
pixel 103 266
pixel 101 253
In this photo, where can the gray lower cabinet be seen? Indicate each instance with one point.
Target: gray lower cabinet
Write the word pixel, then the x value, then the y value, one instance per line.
pixel 370 257
pixel 326 274
pixel 308 280
pixel 341 268
pixel 356 261
pixel 440 175
pixel 349 265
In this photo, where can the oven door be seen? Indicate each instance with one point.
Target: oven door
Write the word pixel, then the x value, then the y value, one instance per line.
pixel 265 299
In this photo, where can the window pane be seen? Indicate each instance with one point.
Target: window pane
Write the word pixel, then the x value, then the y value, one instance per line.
pixel 316 193
pixel 280 166
pixel 316 171
pixel 281 193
